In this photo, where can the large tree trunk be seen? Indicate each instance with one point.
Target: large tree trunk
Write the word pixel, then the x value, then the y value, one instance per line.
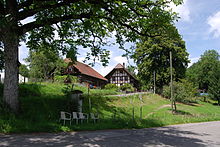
pixel 10 94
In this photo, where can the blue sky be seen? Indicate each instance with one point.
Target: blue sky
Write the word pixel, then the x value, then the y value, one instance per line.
pixel 199 26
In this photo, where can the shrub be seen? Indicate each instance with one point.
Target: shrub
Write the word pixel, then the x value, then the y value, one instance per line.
pixel 127 87
pixel 183 91
pixel 29 90
pixel 111 86
pixel 166 91
pixel 61 79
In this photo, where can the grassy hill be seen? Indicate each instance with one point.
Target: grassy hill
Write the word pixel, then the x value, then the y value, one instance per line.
pixel 41 105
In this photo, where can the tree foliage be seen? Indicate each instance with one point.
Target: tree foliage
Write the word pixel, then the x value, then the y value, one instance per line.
pixel 44 64
pixel 23 70
pixel 78 23
pixel 132 69
pixel 127 87
pixel 201 73
pixel 214 84
pixel 184 91
pixel 111 86
pixel 152 55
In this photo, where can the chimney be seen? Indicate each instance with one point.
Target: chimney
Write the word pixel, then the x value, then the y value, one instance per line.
pixel 124 65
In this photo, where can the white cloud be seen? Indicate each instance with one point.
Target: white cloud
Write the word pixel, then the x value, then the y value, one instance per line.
pixel 182 10
pixel 193 60
pixel 120 59
pixel 214 22
pixel 104 70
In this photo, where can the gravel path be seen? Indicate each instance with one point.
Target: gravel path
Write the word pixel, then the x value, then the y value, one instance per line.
pixel 186 135
pixel 127 94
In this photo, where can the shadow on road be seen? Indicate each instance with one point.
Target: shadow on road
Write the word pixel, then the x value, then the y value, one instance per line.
pixel 164 136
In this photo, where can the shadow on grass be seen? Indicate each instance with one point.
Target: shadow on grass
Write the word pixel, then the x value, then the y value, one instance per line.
pixel 216 104
pixel 41 113
pixel 180 112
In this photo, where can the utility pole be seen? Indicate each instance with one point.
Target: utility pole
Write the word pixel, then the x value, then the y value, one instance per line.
pixel 173 103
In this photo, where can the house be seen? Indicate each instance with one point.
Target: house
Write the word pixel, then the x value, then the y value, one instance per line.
pixel 85 73
pixel 21 79
pixel 120 75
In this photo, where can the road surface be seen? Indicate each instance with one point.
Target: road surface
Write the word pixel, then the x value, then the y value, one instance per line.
pixel 186 135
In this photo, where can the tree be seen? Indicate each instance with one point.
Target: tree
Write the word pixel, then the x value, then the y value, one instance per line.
pixel 132 69
pixel 77 22
pixel 201 73
pixel 23 70
pixel 2 62
pixel 214 84
pixel 44 64
pixel 152 55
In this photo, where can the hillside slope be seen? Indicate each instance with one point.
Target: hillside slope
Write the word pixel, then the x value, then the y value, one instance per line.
pixel 41 105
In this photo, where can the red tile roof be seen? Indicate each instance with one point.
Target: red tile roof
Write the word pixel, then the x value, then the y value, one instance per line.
pixel 86 69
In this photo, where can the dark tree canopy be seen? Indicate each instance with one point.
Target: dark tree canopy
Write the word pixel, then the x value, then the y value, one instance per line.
pixel 78 23
pixel 214 83
pixel 152 55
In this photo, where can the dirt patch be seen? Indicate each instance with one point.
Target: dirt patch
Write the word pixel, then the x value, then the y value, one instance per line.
pixel 161 107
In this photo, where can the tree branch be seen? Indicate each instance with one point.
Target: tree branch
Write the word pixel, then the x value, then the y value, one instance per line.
pixel 11 7
pixel 2 8
pixel 30 12
pixel 26 3
pixel 30 26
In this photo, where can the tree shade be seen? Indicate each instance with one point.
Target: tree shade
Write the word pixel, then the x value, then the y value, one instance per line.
pixel 78 22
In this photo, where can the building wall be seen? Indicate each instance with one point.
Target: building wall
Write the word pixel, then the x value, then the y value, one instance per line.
pixel 119 77
pixel 93 81
pixel 20 80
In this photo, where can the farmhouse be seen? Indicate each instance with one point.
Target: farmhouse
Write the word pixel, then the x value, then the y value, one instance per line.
pixel 120 75
pixel 85 73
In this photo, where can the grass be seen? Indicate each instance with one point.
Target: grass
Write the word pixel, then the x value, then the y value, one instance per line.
pixel 42 103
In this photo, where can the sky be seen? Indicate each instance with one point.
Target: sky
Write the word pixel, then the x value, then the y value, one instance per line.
pixel 199 27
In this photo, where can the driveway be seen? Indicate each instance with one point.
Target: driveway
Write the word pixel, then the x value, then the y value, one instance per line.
pixel 189 135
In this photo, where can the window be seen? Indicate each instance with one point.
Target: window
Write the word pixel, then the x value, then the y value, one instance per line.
pixel 121 78
pixel 126 78
pixel 113 78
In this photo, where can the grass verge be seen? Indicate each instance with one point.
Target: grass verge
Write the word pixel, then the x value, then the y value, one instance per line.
pixel 41 105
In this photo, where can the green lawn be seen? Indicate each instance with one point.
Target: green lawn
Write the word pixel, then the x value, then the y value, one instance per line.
pixel 41 105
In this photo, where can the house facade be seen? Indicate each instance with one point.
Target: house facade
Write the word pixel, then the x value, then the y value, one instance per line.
pixel 120 75
pixel 21 79
pixel 86 74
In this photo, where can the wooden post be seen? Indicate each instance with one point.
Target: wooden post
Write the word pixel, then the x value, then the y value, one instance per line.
pixel 173 103
pixel 133 113
pixel 89 98
pixel 141 108
pixel 141 113
pixel 154 82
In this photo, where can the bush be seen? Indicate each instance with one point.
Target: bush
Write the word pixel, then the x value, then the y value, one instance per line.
pixel 166 91
pixel 127 87
pixel 61 79
pixel 183 91
pixel 29 90
pixel 111 87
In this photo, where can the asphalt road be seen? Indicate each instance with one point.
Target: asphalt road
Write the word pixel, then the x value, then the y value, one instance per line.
pixel 187 135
